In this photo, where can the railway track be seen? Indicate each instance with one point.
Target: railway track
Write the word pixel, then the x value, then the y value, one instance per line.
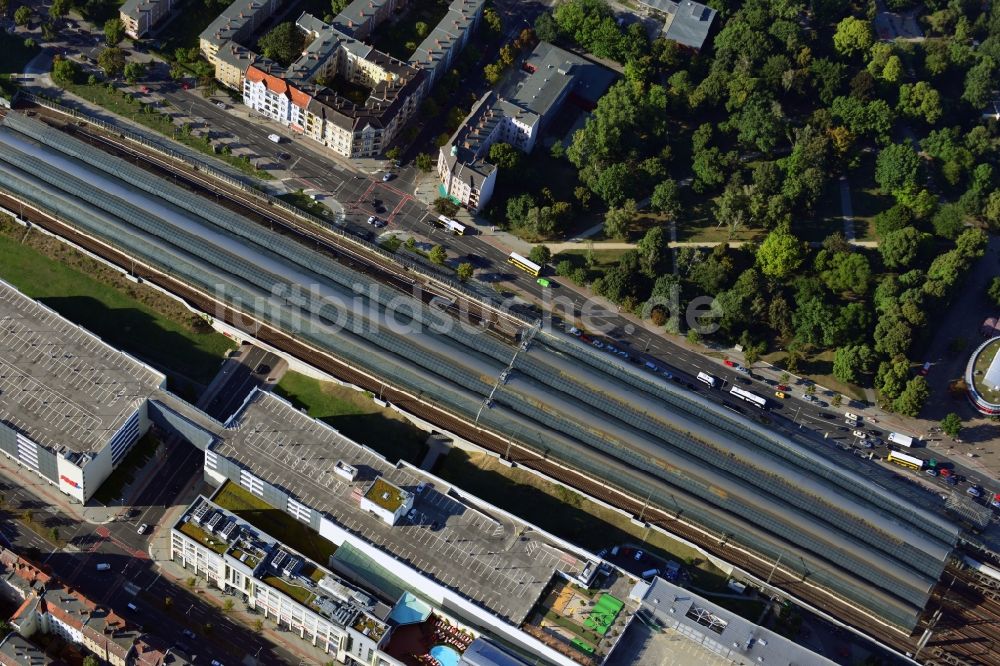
pixel 719 544
pixel 372 265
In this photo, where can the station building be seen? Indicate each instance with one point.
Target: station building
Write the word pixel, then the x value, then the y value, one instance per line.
pixel 71 406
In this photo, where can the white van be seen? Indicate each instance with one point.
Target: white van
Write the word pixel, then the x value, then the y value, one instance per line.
pixel 706 378
pixel 274 137
pixel 851 419
pixel 103 566
pixel 902 440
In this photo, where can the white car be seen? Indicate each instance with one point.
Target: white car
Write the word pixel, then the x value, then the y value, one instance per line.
pixel 574 331
pixel 598 344
pixel 860 434
pixel 974 491
pixel 638 555
pixel 742 370
pixel 142 528
pixel 387 177
pixel 221 105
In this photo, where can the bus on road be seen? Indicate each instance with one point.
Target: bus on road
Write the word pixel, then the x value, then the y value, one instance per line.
pixel 747 396
pixel 525 265
pixel 904 460
pixel 451 225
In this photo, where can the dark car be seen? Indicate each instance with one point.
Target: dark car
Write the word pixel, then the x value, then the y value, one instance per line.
pixel 827 415
pixel 263 369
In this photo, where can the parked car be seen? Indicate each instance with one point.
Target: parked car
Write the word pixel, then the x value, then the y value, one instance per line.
pixel 741 369
pixel 860 434
pixel 930 471
pixel 598 344
pixel 925 369
pixel 975 491
pixel 222 105
pixel 574 331
pixel 809 398
pixel 779 394
pixel 142 528
pixel 386 177
pixel 729 363
pixel 783 387
pixel 638 555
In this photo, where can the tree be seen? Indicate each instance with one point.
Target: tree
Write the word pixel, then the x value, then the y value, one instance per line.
pixel 654 252
pixel 445 206
pixel 464 271
pixel 54 534
pixel 65 72
pixel 422 29
pixel 993 290
pixel 504 155
pixel 951 424
pixel 853 36
pixel 112 61
pixel 493 21
pixel 920 101
pixel 258 625
pixel 134 71
pixel 114 31
pixel 913 397
pixel 897 168
pixel 424 162
pixel 614 184
pixel 979 83
pixel 852 361
pixel 168 602
pixel 899 248
pixel 438 255
pixel 780 254
pixel 91 660
pixel 617 220
pixel 540 254
pixel 666 199
pixel 283 43
pixel 546 28
pixel 22 15
pixel 949 221
pixel 228 604
pixel 58 9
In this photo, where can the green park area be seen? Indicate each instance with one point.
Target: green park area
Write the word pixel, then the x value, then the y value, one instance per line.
pixel 355 415
pixel 133 317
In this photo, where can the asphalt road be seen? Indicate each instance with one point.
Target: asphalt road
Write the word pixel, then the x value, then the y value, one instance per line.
pixel 252 371
pixel 132 577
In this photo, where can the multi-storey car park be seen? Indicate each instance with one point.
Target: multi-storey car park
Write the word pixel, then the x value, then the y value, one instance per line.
pixel 834 521
pixel 303 96
pixel 71 407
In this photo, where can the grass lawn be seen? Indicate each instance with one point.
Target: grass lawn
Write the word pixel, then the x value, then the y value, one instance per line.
pixel 819 368
pixel 563 512
pixel 866 199
pixel 14 55
pixel 398 37
pixel 300 594
pixel 118 103
pixel 133 317
pixel 698 225
pixel 204 538
pixel 275 523
pixel 355 415
pixel 111 490
pixel 603 259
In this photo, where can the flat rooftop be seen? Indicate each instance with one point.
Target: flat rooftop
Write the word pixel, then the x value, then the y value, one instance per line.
pixel 467 545
pixel 283 569
pixel 61 386
pixel 386 495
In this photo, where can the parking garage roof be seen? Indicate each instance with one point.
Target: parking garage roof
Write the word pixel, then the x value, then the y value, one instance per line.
pixel 61 386
pixel 458 540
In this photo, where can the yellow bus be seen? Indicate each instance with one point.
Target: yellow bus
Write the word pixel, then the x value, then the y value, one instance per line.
pixel 905 460
pixel 524 264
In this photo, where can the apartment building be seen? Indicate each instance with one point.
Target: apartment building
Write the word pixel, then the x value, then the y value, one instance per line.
pixel 15 650
pixel 297 98
pixel 550 76
pixel 51 607
pixel 286 587
pixel 139 16
pixel 301 97
pixel 71 407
